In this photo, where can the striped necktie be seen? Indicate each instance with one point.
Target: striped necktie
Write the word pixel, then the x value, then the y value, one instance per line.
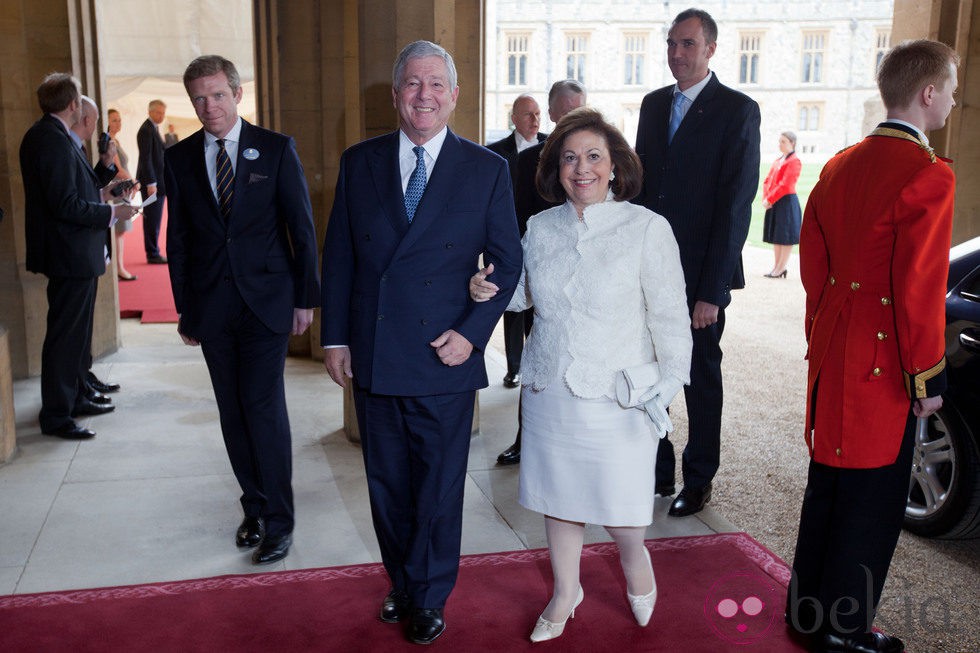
pixel 416 183
pixel 224 178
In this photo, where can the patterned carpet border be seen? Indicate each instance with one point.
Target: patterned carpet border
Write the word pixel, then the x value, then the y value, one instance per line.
pixel 753 550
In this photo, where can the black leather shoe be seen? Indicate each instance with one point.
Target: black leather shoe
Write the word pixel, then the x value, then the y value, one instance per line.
pixel 665 490
pixel 395 607
pixel 98 398
pixel 510 456
pixel 101 386
pixel 512 380
pixel 156 260
pixel 427 625
pixel 863 643
pixel 272 549
pixel 250 533
pixel 71 431
pixel 690 501
pixel 86 407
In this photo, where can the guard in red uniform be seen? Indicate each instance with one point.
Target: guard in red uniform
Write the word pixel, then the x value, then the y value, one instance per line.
pixel 874 257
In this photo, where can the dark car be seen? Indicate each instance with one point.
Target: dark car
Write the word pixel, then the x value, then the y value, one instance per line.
pixel 944 491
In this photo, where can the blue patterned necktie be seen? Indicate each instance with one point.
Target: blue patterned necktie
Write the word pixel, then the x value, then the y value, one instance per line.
pixel 224 178
pixel 676 114
pixel 416 183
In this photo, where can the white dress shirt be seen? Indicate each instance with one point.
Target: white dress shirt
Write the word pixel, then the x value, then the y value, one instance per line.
pixel 232 139
pixel 407 159
pixel 608 292
pixel 522 143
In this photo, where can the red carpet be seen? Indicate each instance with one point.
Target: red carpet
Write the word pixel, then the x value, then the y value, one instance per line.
pixel 496 601
pixel 149 296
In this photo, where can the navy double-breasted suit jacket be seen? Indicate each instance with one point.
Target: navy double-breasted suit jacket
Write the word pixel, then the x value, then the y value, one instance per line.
pixel 265 251
pixel 390 288
pixel 703 181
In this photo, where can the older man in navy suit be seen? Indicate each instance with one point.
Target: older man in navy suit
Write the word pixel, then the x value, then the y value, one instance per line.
pixel 413 212
pixel 699 143
pixel 242 253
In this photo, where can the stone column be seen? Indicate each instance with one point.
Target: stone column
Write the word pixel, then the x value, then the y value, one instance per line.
pixel 958 25
pixel 38 37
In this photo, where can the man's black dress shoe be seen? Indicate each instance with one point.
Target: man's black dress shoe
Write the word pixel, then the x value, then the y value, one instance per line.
pixel 863 643
pixel 510 456
pixel 98 398
pixel 395 607
pixel 427 624
pixel 665 490
pixel 99 385
pixel 512 380
pixel 250 532
pixel 86 407
pixel 272 549
pixel 71 431
pixel 156 260
pixel 690 501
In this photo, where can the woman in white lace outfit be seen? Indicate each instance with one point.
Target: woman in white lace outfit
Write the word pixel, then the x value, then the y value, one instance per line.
pixel 604 278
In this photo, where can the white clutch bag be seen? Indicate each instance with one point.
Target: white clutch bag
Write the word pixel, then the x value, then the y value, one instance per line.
pixel 635 388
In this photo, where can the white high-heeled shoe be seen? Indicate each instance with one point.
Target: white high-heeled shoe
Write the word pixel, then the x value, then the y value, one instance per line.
pixel 545 630
pixel 642 606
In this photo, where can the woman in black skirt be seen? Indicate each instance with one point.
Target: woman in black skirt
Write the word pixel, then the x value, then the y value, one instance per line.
pixel 783 216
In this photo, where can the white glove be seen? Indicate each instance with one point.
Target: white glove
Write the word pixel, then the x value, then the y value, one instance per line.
pixel 657 413
pixel 665 390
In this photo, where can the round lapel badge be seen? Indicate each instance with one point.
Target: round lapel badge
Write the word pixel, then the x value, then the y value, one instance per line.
pixel 251 154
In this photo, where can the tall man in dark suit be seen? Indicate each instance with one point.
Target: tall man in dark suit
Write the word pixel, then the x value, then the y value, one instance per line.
pixel 526 116
pixel 874 259
pixel 242 252
pixel 699 143
pixel 66 221
pixel 149 172
pixel 565 95
pixel 413 212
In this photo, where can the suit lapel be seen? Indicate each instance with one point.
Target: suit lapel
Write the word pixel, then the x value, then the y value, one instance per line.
pixel 387 180
pixel 447 176
pixel 246 140
pixel 694 115
pixel 199 171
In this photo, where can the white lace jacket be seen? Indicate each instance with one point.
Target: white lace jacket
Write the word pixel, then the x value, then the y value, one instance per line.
pixel 609 291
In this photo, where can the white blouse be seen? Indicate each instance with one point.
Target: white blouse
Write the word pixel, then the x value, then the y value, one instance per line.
pixel 607 291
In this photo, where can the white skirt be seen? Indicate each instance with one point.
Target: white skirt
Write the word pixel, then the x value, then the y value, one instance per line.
pixel 586 460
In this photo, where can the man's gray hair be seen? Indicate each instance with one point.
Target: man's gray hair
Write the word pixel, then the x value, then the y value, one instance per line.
pixel 416 50
pixel 564 87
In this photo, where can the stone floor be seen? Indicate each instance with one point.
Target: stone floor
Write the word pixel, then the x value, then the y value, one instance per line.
pixel 152 497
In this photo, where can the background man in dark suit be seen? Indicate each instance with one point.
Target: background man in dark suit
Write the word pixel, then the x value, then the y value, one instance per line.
pixel 875 325
pixel 91 401
pixel 65 225
pixel 565 95
pixel 699 143
pixel 526 116
pixel 242 252
pixel 149 172
pixel 414 210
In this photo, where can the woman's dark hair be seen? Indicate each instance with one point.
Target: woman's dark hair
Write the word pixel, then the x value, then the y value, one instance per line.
pixel 626 164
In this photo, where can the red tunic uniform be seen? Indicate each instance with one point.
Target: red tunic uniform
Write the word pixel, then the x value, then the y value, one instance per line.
pixel 874 257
